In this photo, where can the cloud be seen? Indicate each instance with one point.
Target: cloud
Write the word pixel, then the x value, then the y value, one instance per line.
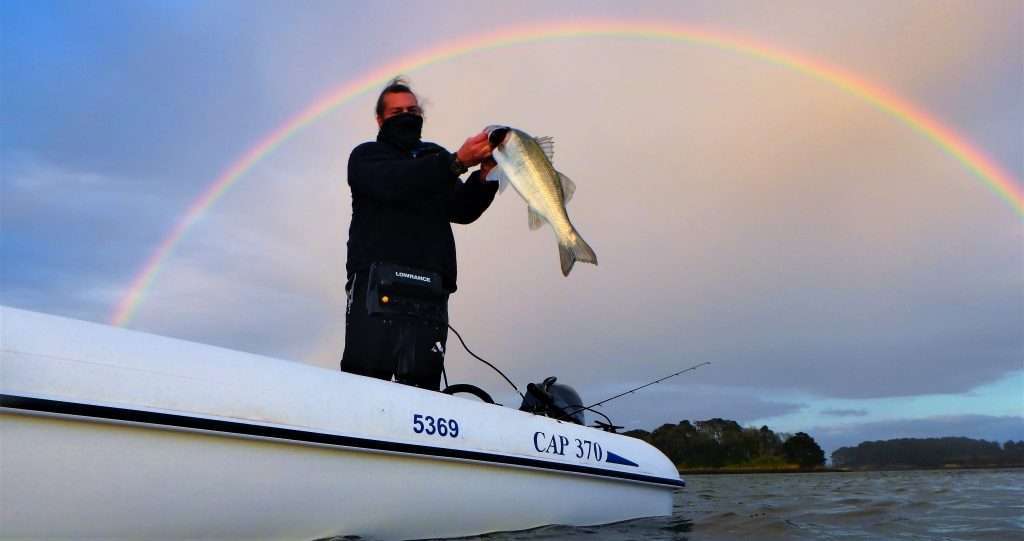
pixel 845 412
pixel 797 252
pixel 262 271
pixel 653 406
pixel 71 237
pixel 719 240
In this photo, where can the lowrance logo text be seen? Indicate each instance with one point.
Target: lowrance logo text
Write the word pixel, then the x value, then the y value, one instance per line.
pixel 418 278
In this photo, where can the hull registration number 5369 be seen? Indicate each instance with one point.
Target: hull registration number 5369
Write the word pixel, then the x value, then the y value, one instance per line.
pixel 431 426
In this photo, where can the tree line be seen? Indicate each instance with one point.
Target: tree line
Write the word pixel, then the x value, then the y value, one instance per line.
pixel 929 453
pixel 718 443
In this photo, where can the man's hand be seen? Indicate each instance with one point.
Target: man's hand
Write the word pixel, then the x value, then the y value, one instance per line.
pixel 486 165
pixel 474 150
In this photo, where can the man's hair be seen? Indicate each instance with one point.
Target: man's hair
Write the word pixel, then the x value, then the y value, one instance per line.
pixel 397 85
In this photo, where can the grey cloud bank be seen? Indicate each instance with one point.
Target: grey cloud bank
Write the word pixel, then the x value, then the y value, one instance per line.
pixel 845 412
pixel 72 238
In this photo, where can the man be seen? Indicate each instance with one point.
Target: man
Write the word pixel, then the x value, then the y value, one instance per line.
pixel 405 195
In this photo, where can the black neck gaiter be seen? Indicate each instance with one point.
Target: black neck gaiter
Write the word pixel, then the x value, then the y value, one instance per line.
pixel 402 130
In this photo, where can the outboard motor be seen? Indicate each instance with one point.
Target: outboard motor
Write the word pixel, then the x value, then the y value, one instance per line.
pixel 554 400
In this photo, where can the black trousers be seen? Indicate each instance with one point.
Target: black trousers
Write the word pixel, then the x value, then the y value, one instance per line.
pixel 410 350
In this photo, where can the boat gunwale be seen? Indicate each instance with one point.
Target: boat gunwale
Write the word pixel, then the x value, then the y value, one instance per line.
pixel 266 432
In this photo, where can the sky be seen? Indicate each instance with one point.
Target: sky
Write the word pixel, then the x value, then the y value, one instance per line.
pixel 844 274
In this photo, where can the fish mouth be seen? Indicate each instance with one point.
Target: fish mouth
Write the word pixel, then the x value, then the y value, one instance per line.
pixel 496 135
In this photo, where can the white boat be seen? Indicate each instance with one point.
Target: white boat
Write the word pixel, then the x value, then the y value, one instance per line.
pixel 112 433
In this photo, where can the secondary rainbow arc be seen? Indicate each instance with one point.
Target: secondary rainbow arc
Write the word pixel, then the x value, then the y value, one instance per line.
pixel 982 167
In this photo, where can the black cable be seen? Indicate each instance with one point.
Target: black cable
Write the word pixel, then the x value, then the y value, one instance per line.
pixel 566 416
pixel 477 357
pixel 563 416
pixel 606 418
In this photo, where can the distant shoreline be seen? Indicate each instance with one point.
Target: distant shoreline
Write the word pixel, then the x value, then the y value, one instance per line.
pixel 741 470
pixel 734 470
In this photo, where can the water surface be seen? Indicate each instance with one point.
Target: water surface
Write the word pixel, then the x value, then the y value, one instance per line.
pixel 914 505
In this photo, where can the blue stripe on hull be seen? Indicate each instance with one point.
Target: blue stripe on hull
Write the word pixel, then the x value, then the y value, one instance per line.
pixel 247 429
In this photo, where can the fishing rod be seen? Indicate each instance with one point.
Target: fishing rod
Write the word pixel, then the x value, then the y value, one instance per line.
pixel 540 393
pixel 683 371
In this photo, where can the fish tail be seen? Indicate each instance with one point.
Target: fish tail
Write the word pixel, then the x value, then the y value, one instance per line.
pixel 573 250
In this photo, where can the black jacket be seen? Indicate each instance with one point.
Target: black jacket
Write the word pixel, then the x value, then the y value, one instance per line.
pixel 403 204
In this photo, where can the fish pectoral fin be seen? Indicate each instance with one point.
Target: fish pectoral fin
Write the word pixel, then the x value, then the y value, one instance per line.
pixel 568 187
pixel 535 219
pixel 547 144
pixel 497 174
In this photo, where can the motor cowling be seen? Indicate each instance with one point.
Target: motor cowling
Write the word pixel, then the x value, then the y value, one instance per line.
pixel 555 400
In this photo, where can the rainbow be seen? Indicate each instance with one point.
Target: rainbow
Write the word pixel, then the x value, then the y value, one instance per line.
pixel 987 171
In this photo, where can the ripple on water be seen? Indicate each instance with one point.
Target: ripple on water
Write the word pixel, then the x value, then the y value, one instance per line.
pixel 956 506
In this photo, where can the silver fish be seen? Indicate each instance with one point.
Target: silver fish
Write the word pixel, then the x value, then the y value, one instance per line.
pixel 525 163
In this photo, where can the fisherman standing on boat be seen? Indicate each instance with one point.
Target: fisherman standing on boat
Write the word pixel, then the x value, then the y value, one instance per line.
pixel 401 253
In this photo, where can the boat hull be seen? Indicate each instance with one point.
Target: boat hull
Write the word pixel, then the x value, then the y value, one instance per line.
pixel 101 444
pixel 126 481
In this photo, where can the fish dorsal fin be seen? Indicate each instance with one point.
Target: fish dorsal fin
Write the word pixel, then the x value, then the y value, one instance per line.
pixel 568 187
pixel 547 144
pixel 497 174
pixel 536 220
